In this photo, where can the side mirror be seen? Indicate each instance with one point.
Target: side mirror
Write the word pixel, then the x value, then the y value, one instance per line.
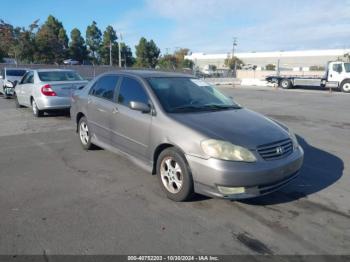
pixel 1 77
pixel 140 106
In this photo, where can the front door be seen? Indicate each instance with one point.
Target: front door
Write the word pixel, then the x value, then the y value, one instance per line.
pixel 336 72
pixel 101 107
pixel 24 90
pixel 131 128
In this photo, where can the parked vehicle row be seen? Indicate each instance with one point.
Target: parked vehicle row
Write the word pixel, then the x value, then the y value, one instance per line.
pixel 189 134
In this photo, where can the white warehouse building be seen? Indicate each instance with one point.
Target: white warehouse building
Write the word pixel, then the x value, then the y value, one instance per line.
pixel 288 60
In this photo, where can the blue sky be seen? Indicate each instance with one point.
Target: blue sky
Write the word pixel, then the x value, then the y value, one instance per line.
pixel 201 25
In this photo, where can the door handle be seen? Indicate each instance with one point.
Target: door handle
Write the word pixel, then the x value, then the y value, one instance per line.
pixel 115 110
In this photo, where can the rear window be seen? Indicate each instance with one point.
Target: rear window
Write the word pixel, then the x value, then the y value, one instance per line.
pixel 51 76
pixel 16 72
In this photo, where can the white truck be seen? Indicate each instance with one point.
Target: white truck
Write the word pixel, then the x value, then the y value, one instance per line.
pixel 337 75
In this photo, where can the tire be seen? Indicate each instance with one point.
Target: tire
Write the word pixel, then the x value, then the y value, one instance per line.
pixel 345 86
pixel 16 101
pixel 5 96
pixel 36 111
pixel 286 83
pixel 84 134
pixel 174 175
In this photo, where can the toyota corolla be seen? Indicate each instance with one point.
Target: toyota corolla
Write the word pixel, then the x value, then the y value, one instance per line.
pixel 193 137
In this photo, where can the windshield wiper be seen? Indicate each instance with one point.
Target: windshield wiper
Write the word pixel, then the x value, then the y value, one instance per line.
pixel 204 107
pixel 220 107
pixel 185 108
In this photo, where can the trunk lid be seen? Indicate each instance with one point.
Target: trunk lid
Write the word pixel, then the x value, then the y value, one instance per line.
pixel 64 88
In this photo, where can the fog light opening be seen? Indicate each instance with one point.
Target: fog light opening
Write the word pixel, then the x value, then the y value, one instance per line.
pixel 231 190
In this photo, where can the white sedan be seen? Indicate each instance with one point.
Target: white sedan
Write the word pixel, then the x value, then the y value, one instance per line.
pixel 47 89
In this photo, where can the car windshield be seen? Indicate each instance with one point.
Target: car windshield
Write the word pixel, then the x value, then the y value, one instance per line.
pixel 50 76
pixel 15 72
pixel 347 67
pixel 184 94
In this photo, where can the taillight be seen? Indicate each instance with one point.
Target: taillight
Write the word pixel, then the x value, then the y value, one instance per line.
pixel 46 90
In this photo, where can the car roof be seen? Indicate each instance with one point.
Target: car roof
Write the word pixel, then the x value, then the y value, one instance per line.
pixel 149 73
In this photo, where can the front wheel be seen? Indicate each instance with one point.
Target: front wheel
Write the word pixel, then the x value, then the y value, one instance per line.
pixel 174 175
pixel 286 84
pixel 345 86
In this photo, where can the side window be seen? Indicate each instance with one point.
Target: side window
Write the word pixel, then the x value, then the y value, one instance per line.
pixel 25 77
pixel 105 87
pixel 337 68
pixel 131 90
pixel 30 79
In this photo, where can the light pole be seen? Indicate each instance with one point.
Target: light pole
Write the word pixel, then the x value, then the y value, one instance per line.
pixel 119 53
pixel 110 52
pixel 233 57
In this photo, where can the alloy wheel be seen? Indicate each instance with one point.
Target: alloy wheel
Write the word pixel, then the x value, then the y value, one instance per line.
pixel 171 175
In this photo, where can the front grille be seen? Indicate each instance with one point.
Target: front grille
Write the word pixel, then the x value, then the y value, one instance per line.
pixel 276 150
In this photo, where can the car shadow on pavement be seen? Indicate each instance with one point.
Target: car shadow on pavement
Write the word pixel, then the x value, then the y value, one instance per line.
pixel 320 170
pixel 316 88
pixel 57 113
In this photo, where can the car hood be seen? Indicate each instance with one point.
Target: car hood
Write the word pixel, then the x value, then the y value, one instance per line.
pixel 241 127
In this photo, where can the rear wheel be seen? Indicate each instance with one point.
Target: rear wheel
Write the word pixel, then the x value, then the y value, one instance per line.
pixel 84 134
pixel 345 86
pixel 286 84
pixel 36 111
pixel 174 175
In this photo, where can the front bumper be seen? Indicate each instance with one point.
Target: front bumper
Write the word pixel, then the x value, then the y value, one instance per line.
pixel 259 178
pixel 53 102
pixel 9 91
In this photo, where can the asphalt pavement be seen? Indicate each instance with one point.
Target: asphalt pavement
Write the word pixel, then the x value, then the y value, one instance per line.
pixel 56 198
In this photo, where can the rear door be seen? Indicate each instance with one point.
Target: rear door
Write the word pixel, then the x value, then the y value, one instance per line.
pixel 102 106
pixel 131 128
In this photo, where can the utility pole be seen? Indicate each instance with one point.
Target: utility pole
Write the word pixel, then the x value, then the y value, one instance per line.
pixel 233 56
pixel 110 53
pixel 119 53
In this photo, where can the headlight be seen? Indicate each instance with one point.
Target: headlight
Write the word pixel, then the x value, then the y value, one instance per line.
pixel 294 139
pixel 226 151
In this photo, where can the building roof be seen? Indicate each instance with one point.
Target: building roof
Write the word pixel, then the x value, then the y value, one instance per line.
pixel 304 53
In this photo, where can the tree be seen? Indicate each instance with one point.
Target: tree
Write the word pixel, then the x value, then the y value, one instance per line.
pixel 51 41
pixel 109 38
pixel 127 58
pixel 93 40
pixel 231 62
pixel 180 58
pixel 167 62
pixel 147 53
pixel 77 47
pixel 7 37
pixel 270 67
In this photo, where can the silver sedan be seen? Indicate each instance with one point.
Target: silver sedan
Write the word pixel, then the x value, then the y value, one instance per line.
pixel 47 89
pixel 188 133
